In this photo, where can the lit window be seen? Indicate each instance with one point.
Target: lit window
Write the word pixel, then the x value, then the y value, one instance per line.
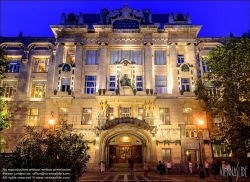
pixel 180 58
pixel 91 57
pixel 3 144
pixel 112 83
pixel 41 64
pixel 10 88
pixel 161 84
pixel 63 115
pixel 111 113
pixel 133 56
pixel 137 57
pixel 166 154
pixel 187 115
pixel 125 112
pixel 90 84
pixel 160 58
pixel 140 113
pixel 165 116
pixel 185 85
pixel 32 117
pixel 139 83
pixel 86 116
pixel 38 89
pixel 221 151
pixel 13 66
pixel 217 121
pixel 205 67
pixel 65 84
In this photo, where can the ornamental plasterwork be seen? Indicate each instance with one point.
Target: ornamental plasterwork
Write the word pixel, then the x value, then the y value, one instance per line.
pixel 168 134
pixel 18 53
pixel 182 35
pixel 88 134
pixel 40 52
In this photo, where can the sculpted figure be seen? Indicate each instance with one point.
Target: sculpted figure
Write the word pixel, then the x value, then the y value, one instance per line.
pixel 125 81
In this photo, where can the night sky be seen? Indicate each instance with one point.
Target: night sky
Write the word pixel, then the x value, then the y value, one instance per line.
pixel 33 18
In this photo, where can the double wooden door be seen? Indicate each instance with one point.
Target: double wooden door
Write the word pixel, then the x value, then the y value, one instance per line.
pixel 122 154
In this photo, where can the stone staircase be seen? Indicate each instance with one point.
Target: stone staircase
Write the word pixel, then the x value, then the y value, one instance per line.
pixel 124 167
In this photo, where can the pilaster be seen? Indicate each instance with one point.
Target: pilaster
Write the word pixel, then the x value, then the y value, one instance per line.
pixel 58 61
pixel 102 67
pixel 78 63
pixel 173 82
pixel 148 71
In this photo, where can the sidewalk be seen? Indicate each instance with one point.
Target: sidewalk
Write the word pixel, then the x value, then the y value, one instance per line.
pixel 152 177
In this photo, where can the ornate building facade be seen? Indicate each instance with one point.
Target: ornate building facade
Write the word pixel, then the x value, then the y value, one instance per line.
pixel 124 78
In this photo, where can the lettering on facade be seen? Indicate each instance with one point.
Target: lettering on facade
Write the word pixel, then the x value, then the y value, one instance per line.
pixel 126 24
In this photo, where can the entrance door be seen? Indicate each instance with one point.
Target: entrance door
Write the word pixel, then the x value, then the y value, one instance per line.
pixel 122 154
pixel 193 156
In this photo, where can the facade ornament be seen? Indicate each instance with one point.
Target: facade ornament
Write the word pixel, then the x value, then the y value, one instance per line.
pixel 125 81
pixel 102 109
pixel 148 109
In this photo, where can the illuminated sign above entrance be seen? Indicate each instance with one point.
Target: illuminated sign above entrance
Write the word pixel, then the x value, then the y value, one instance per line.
pixel 125 24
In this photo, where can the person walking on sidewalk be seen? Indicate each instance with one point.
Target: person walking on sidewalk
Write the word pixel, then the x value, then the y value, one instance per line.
pixel 102 167
pixel 190 166
pixel 160 169
pixel 169 167
pixel 207 168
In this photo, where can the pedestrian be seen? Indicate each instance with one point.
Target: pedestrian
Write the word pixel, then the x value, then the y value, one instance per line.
pixel 101 167
pixel 228 172
pixel 160 169
pixel 215 168
pixel 207 168
pixel 145 169
pixel 169 167
pixel 190 166
pixel 164 168
pixel 131 167
pixel 201 169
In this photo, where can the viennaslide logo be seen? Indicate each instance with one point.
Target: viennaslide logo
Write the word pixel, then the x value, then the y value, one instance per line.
pixel 238 171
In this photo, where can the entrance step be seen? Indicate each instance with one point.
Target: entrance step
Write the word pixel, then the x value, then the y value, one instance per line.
pixel 124 167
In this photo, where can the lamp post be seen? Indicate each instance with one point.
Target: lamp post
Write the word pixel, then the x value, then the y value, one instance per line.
pixel 52 121
pixel 200 122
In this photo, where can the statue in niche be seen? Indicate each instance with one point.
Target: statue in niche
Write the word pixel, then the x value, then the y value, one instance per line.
pixel 125 81
pixel 185 68
pixel 102 109
pixel 149 109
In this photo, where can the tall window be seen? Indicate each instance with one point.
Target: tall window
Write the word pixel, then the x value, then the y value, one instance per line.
pixel 133 56
pixel 90 84
pixel 63 115
pixel 185 84
pixel 137 57
pixel 65 86
pixel 166 154
pixel 161 84
pixel 13 66
pixel 10 88
pixel 41 64
pixel 139 83
pixel 217 121
pixel 164 116
pixel 86 116
pixel 111 113
pixel 114 57
pixel 3 144
pixel 205 67
pixel 125 112
pixel 140 113
pixel 180 58
pixel 38 89
pixel 112 83
pixel 187 115
pixel 160 58
pixel 91 57
pixel 221 151
pixel 32 117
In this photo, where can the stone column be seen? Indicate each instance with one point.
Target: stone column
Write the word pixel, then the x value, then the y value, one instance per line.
pixel 173 82
pixel 102 67
pixel 78 72
pixel 51 72
pixel 148 66
pixel 58 61
pixel 191 49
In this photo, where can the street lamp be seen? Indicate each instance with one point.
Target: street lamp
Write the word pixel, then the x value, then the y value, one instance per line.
pixel 52 121
pixel 200 122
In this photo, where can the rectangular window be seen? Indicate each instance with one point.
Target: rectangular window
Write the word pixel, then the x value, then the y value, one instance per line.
pixel 140 113
pixel 41 64
pixel 139 83
pixel 166 154
pixel 161 84
pixel 10 88
pixel 187 115
pixel 86 116
pixel 112 83
pixel 32 117
pixel 111 113
pixel 131 55
pixel 90 84
pixel 125 112
pixel 165 116
pixel 180 58
pixel 114 57
pixel 65 84
pixel 205 67
pixel 38 89
pixel 63 115
pixel 91 57
pixel 221 151
pixel 160 58
pixel 217 121
pixel 185 84
pixel 13 66
pixel 137 57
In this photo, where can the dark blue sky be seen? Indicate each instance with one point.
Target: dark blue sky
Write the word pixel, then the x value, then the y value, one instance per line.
pixel 33 18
